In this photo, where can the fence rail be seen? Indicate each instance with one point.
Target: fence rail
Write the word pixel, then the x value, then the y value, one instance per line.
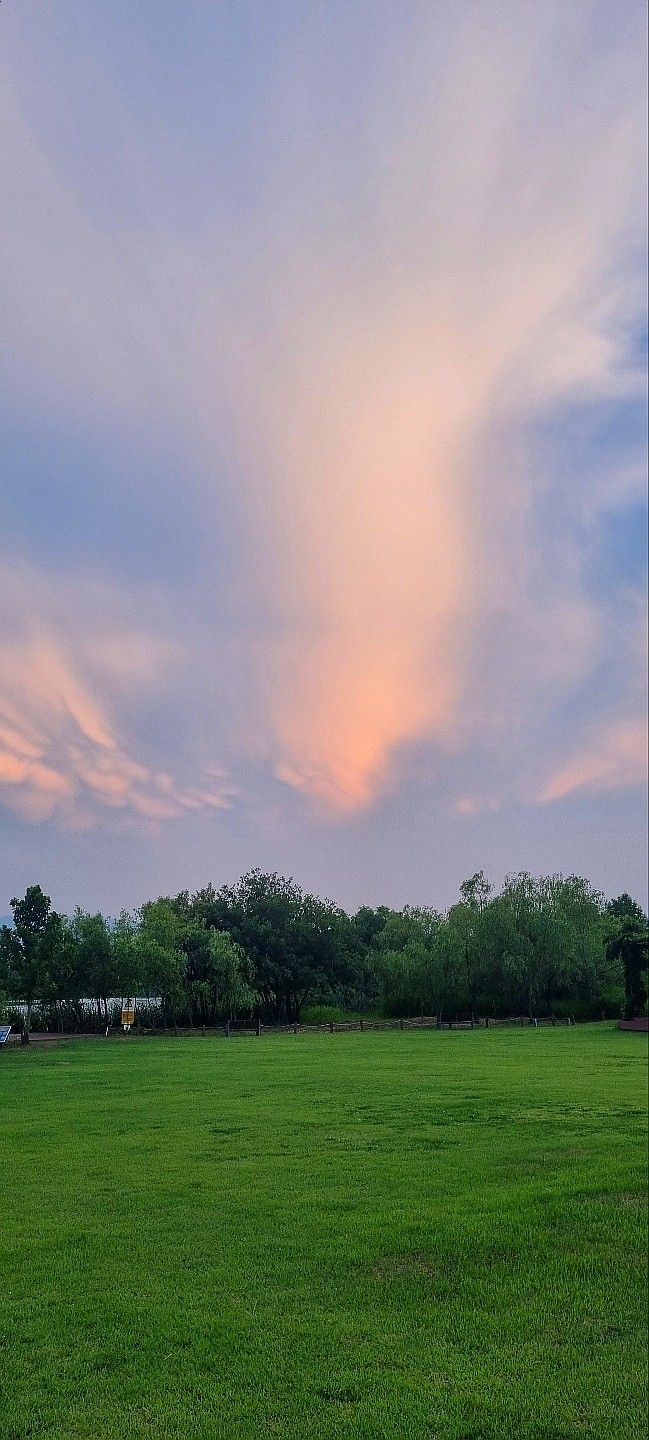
pixel 254 1027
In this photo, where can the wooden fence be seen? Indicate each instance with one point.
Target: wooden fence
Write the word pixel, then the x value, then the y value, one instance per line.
pixel 338 1027
pixel 254 1027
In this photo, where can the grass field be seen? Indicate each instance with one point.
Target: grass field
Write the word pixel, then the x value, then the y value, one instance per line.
pixel 382 1235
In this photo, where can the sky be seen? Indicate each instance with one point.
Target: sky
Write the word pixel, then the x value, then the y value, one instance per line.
pixel 323 445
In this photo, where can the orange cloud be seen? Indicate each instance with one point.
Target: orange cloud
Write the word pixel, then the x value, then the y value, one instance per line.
pixel 75 766
pixel 13 769
pixel 379 380
pixel 616 759
pixel 19 743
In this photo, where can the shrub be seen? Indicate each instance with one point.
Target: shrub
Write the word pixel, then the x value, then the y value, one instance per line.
pixel 12 1017
pixel 326 1015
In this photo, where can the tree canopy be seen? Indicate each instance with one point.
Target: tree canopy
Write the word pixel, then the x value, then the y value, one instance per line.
pixel 265 947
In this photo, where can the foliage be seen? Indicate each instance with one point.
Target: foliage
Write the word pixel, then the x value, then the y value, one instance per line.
pixel 265 946
pixel 627 937
pixel 27 949
pixel 295 942
pixel 327 1015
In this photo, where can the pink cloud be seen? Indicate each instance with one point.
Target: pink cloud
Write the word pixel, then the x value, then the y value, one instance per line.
pixel 61 751
pixel 617 758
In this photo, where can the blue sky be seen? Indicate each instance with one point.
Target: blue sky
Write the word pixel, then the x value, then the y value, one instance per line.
pixel 323 417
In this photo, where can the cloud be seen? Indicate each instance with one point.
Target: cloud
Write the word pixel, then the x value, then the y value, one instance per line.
pixel 62 754
pixel 360 370
pixel 616 758
pixel 490 286
pixel 470 805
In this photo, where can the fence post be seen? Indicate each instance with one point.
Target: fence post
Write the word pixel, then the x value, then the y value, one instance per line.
pixel 295 1029
pixel 259 1027
pixel 361 1024
pixel 331 1027
pixel 226 1029
pixel 401 1024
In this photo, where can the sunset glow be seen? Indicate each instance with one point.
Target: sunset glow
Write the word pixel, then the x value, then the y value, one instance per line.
pixel 323 432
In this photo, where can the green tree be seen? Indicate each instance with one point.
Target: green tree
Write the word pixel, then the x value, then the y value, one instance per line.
pixel 94 942
pixel 226 987
pixel 125 967
pixel 624 908
pixel 627 943
pixel 62 982
pixel 582 970
pixel 417 958
pixel 160 957
pixel 465 920
pixel 541 940
pixel 25 947
pixel 297 943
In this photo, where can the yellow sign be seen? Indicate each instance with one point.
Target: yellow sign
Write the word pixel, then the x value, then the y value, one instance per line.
pixel 128 1017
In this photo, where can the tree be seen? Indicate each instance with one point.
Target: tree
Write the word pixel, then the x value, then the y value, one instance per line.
pixel 25 948
pixel 538 960
pixel 62 980
pixel 266 944
pixel 417 960
pixel 94 942
pixel 125 966
pixel 628 938
pixel 448 957
pixel 624 908
pixel 297 944
pixel 476 892
pixel 160 957
pixel 582 969
pixel 226 986
pixel 465 921
pixel 368 924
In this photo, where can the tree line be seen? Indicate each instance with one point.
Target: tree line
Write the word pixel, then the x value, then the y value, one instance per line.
pixel 540 946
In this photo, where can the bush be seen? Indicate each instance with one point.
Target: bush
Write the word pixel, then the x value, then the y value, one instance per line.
pixel 564 1010
pixel 326 1015
pixel 612 1002
pixel 15 1018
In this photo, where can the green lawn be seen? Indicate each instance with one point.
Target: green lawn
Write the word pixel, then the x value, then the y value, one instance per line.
pixel 362 1235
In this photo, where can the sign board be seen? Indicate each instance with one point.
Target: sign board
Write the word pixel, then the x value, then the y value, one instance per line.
pixel 128 1017
pixel 5 1032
